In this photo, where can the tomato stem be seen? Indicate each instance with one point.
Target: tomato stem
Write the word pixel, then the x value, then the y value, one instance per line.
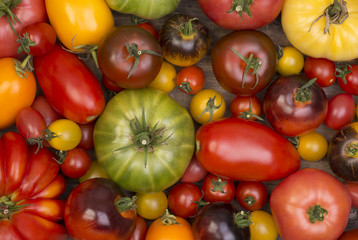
pixel 250 200
pixel 168 219
pixel 218 185
pixel 242 219
pixel 343 71
pixel 351 150
pixel 187 28
pixel 185 86
pixel 316 213
pixel 8 207
pixel 25 43
pixel 211 107
pixel 241 6
pixel 249 114
pixel 303 93
pixel 126 203
pixel 6 7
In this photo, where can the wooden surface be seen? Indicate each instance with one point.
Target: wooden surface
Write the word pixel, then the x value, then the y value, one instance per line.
pixel 274 30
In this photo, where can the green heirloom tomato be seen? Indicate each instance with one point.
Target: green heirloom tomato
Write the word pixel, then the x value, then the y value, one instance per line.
pixel 144 140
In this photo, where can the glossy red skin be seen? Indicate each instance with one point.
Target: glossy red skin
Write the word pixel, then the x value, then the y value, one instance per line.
pixel 30 123
pixel 86 142
pixel 352 188
pixel 297 193
pixel 229 69
pixel 322 69
pixel 98 196
pixel 44 36
pixel 211 195
pixel 182 198
pixel 194 75
pixel 43 106
pixel 150 28
pixel 76 163
pixel 291 118
pixel 341 111
pixel 351 87
pixel 349 235
pixel 140 230
pixel 112 54
pixel 257 190
pixel 217 10
pixel 74 91
pixel 245 150
pixel 241 104
pixel 28 11
pixel 194 172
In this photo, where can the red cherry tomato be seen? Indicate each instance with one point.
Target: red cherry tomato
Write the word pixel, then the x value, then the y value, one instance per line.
pixel 251 196
pixel 76 163
pixel 348 78
pixel 248 107
pixel 217 189
pixel 322 69
pixel 194 172
pixel 190 79
pixel 86 142
pixel 47 111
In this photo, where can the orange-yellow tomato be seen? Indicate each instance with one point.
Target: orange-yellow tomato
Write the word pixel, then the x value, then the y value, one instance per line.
pixel 16 91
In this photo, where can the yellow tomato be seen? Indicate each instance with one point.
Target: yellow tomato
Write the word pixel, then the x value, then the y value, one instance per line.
pixel 63 134
pixel 16 91
pixel 95 171
pixel 84 22
pixel 290 61
pixel 165 80
pixel 263 226
pixel 312 146
pixel 207 105
pixel 151 205
pixel 305 26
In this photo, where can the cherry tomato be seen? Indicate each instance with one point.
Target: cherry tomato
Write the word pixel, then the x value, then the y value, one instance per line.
pixel 151 205
pixel 140 230
pixel 194 172
pixel 251 196
pixel 94 171
pixel 190 79
pixel 86 142
pixel 263 226
pixel 165 80
pixel 217 189
pixel 348 79
pixel 312 146
pixel 290 61
pixel 76 163
pixel 320 68
pixel 47 111
pixel 248 107
pixel 183 199
pixel 207 105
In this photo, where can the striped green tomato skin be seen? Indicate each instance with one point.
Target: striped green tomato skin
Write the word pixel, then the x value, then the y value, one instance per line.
pixel 147 9
pixel 167 163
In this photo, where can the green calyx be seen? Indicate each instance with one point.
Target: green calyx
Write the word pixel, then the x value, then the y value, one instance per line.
pixel 25 43
pixel 249 114
pixel 187 28
pixel 185 86
pixel 351 150
pixel 22 67
pixel 8 207
pixel 343 71
pixel 211 107
pixel 6 7
pixel 218 185
pixel 250 200
pixel 303 93
pixel 126 203
pixel 241 6
pixel 316 213
pixel 168 219
pixel 242 219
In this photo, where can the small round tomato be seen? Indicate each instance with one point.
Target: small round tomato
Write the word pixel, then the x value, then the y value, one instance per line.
pixel 63 134
pixel 251 195
pixel 312 146
pixel 322 69
pixel 263 226
pixel 194 172
pixel 217 189
pixel 151 205
pixel 207 105
pixel 290 61
pixel 86 142
pixel 94 171
pixel 348 78
pixel 165 80
pixel 76 163
pixel 47 111
pixel 140 230
pixel 248 107
pixel 191 79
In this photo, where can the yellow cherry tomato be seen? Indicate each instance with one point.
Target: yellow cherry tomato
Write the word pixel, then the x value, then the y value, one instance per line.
pixel 95 171
pixel 63 134
pixel 151 205
pixel 16 91
pixel 312 146
pixel 207 105
pixel 165 80
pixel 263 226
pixel 290 61
pixel 85 22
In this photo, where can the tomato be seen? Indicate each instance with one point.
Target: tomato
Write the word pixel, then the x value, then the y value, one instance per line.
pixel 348 79
pixel 245 150
pixel 190 79
pixel 86 142
pixel 28 209
pixel 251 196
pixel 237 15
pixel 248 107
pixel 147 9
pixel 165 80
pixel 310 204
pixel 312 146
pixel 146 25
pixel 151 205
pixel 130 57
pixel 74 91
pixel 183 199
pixel 170 227
pixel 156 117
pixel 244 62
pixel 312 23
pixel 140 230
pixel 81 22
pixel 43 106
pixel 263 226
pixel 352 188
pixel 224 218
pixel 322 69
pixel 341 111
pixel 290 61
pixel 98 209
pixel 217 189
pixel 76 163
pixel 349 235
pixel 109 85
pixel 294 105
pixel 17 91
pixel 63 134
pixel 94 171
pixel 194 172
pixel 184 40
pixel 207 105
pixel 26 12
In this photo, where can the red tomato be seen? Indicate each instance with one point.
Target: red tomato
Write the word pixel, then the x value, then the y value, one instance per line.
pixel 190 79
pixel 194 172
pixel 349 235
pixel 237 15
pixel 76 163
pixel 42 106
pixel 143 23
pixel 341 111
pixel 245 150
pixel 251 196
pixel 74 91
pixel 322 69
pixel 248 107
pixel 183 199
pixel 310 204
pixel 108 84
pixel 27 12
pixel 352 188
pixel 348 79
pixel 217 189
pixel 140 230
pixel 86 142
